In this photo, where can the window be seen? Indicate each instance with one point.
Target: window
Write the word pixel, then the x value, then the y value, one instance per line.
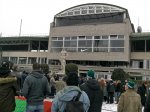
pixel 14 59
pixel 22 60
pixel 84 43
pixel 113 36
pixel 116 43
pixel 57 44
pixel 81 37
pixel 31 60
pixel 100 43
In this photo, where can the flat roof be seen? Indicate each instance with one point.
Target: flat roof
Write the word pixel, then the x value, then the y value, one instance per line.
pixel 140 36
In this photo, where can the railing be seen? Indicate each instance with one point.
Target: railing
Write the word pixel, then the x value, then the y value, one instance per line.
pixel 26 35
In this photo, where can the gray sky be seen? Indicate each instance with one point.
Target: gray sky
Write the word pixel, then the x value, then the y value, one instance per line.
pixel 37 15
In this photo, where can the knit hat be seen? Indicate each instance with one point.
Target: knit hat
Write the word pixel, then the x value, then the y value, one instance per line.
pixel 4 69
pixel 5 64
pixel 131 84
pixel 91 74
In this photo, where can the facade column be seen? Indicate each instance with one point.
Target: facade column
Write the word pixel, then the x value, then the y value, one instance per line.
pixel 145 64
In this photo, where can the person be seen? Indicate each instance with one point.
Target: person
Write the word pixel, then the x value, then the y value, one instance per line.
pixel 14 72
pixel 23 77
pixel 105 92
pixel 52 85
pixel 35 89
pixel 147 104
pixel 117 90
pixel 82 79
pixel 129 101
pixel 110 90
pixel 67 94
pixel 142 91
pixel 94 92
pixel 59 85
pixel 8 88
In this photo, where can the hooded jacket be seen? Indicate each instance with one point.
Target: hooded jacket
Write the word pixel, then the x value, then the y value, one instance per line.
pixel 67 94
pixel 35 88
pixel 7 94
pixel 95 94
pixel 129 101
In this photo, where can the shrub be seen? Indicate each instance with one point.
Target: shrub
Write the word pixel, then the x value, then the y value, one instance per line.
pixel 119 74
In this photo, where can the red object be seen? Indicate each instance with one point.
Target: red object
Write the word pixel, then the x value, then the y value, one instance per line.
pixel 47 106
pixel 20 97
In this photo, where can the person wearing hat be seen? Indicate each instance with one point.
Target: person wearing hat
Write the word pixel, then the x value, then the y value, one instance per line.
pixel 130 101
pixel 94 92
pixel 8 88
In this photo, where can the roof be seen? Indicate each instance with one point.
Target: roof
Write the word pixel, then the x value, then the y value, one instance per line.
pixel 140 36
pixel 8 38
pixel 91 8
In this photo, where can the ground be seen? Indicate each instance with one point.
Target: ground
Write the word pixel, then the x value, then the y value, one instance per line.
pixel 109 107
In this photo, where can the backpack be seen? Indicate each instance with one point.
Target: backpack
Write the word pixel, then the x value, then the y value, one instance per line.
pixel 74 105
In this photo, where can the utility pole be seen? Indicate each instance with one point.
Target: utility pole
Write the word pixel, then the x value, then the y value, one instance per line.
pixel 20 28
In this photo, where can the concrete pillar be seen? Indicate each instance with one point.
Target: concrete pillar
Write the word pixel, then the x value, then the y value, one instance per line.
pixel 145 64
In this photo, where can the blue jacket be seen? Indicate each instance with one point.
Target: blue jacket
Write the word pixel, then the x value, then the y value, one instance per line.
pixel 67 94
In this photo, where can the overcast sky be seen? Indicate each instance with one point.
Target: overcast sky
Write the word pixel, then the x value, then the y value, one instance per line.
pixel 37 15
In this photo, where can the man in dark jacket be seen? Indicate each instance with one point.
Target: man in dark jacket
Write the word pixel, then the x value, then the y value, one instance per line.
pixel 8 89
pixel 110 90
pixel 35 88
pixel 147 104
pixel 142 91
pixel 94 92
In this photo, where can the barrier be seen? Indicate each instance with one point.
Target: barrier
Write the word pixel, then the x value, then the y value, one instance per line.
pixel 21 104
pixel 47 105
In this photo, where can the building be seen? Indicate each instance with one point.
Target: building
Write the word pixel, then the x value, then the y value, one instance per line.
pixel 95 36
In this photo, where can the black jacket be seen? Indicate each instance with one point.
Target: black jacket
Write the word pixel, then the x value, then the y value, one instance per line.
pixel 95 94
pixel 142 91
pixel 147 104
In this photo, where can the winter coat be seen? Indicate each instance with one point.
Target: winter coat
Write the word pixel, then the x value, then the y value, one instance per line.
pixel 7 94
pixel 129 101
pixel 147 104
pixel 35 88
pixel 95 94
pixel 67 94
pixel 111 86
pixel 118 87
pixel 142 91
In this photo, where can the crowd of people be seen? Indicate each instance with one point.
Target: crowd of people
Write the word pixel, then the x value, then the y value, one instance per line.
pixel 36 86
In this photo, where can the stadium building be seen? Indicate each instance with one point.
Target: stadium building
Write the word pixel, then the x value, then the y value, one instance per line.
pixel 94 36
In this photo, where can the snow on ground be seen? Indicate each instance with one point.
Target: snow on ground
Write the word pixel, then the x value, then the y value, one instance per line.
pixel 109 107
